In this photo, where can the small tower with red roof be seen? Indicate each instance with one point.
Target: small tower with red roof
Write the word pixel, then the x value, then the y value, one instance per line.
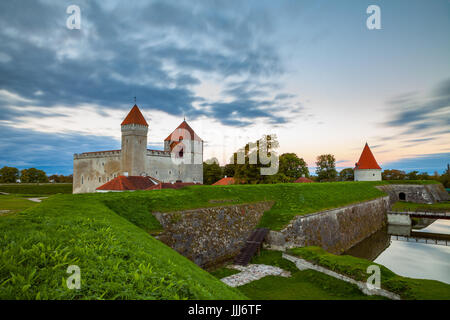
pixel 134 143
pixel 367 168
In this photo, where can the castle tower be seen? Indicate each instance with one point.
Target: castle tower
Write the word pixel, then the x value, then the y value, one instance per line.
pixel 134 143
pixel 367 168
pixel 187 147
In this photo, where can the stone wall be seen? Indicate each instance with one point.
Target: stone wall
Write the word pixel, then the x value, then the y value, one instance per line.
pixel 209 236
pixel 334 230
pixel 427 193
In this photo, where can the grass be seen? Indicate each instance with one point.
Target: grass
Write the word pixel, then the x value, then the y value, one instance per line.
pixel 223 272
pixel 302 285
pixel 355 268
pixel 14 203
pixel 118 260
pixel 410 182
pixel 36 189
pixel 290 200
pixel 411 206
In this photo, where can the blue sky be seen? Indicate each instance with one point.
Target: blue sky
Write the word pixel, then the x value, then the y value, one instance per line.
pixel 308 71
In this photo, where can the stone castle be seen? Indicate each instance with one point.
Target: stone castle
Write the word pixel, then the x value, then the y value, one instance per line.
pixel 180 161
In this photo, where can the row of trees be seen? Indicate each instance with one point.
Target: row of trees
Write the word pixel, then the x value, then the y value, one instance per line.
pixel 291 167
pixel 31 175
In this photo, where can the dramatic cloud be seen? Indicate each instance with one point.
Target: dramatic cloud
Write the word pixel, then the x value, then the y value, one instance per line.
pixel 426 163
pixel 157 51
pixel 422 115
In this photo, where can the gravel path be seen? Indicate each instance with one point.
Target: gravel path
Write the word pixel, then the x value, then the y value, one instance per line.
pixel 37 199
pixel 251 273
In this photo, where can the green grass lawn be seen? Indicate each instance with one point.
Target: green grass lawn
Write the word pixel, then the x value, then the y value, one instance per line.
pixel 410 206
pixel 14 203
pixel 117 259
pixel 291 199
pixel 302 285
pixel 36 189
pixel 356 268
pixel 223 272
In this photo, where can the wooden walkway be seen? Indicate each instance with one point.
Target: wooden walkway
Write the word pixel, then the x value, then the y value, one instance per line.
pixel 252 246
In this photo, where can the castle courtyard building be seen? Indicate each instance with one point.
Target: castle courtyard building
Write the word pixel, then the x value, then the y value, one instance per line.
pixel 180 161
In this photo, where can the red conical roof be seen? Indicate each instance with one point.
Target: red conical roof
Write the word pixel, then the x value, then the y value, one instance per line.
pixel 178 132
pixel 367 160
pixel 135 117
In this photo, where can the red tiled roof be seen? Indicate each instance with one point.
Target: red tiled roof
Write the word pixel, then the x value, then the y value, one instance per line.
pixel 224 181
pixel 122 183
pixel 180 132
pixel 134 117
pixel 367 160
pixel 303 180
pixel 168 185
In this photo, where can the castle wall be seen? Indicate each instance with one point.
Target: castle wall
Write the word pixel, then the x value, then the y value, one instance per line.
pixel 189 168
pixel 368 175
pixel 91 170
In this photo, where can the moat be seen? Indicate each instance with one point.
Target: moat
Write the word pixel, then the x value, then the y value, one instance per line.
pixel 422 259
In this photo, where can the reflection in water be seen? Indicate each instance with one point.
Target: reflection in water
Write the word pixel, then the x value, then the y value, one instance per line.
pixel 409 259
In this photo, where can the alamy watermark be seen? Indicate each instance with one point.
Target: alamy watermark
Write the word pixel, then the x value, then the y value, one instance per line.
pixel 74 281
pixel 374 20
pixel 74 20
pixel 374 281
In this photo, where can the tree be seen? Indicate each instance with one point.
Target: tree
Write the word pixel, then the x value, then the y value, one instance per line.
pixel 393 175
pixel 423 176
pixel 9 174
pixel 413 175
pixel 249 171
pixel 445 177
pixel 61 178
pixel 326 167
pixel 347 174
pixel 33 175
pixel 212 172
pixel 229 170
pixel 292 166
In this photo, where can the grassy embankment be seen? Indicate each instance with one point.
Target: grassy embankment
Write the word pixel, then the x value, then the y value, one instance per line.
pixel 356 268
pixel 17 198
pixel 117 259
pixel 302 285
pixel 410 206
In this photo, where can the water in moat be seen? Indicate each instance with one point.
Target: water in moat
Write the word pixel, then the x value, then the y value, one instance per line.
pixel 394 248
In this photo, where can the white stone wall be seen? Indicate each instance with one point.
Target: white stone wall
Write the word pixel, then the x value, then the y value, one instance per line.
pixel 93 170
pixel 166 168
pixel 368 175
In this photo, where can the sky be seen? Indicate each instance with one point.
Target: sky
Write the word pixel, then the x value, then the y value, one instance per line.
pixel 310 72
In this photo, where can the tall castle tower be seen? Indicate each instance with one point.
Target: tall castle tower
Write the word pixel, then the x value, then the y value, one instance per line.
pixel 134 143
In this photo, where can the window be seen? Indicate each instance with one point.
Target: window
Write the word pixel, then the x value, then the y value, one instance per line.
pixel 82 180
pixel 402 196
pixel 99 179
pixel 170 171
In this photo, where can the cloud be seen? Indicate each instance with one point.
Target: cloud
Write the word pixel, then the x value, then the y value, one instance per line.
pixel 418 115
pixel 52 152
pixel 422 163
pixel 157 51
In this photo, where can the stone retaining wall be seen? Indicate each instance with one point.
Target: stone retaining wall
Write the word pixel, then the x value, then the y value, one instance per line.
pixel 334 230
pixel 427 193
pixel 209 236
